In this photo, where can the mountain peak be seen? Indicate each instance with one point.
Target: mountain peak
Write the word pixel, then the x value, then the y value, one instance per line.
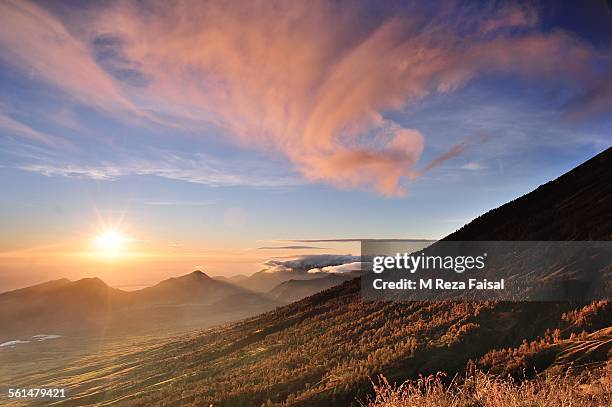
pixel 194 276
pixel 90 281
pixel 198 274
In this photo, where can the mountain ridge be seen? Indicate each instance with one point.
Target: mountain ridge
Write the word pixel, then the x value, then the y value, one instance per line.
pixel 296 289
pixel 89 304
pixel 526 218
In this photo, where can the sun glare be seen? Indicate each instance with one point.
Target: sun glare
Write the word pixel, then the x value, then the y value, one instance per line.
pixel 110 242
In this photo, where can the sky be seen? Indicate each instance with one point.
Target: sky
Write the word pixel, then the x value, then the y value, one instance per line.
pixel 221 135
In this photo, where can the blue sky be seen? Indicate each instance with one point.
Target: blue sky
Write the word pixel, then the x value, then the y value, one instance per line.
pixel 192 144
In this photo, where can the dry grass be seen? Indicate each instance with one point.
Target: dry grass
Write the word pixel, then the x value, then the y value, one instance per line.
pixel 589 388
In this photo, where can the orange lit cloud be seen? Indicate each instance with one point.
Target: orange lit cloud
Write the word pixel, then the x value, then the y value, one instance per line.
pixel 310 80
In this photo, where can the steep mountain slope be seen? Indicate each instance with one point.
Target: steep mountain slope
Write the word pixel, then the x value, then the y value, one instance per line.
pixel 323 349
pixel 575 206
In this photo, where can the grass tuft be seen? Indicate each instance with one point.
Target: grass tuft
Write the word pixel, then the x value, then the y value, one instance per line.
pixel 479 389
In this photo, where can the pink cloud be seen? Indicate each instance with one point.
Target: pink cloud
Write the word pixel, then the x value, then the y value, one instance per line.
pixel 511 16
pixel 308 80
pixel 17 128
pixel 36 42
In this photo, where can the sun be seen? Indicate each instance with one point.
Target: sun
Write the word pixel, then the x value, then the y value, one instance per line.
pixel 110 242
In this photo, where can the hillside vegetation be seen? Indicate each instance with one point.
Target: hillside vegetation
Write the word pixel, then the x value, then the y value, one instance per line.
pixel 584 389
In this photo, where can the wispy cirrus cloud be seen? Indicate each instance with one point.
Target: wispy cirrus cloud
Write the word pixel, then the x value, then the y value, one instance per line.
pixel 473 166
pixel 312 82
pixel 597 100
pixel 66 119
pixel 197 169
pixel 20 129
pixel 75 171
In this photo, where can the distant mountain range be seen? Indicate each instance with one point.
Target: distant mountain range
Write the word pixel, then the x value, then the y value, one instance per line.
pixel 264 281
pixel 89 304
pixel 231 279
pixel 294 290
pixel 194 300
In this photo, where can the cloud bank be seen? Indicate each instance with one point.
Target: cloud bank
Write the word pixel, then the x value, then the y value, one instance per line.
pixel 352 267
pixel 312 81
pixel 309 263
